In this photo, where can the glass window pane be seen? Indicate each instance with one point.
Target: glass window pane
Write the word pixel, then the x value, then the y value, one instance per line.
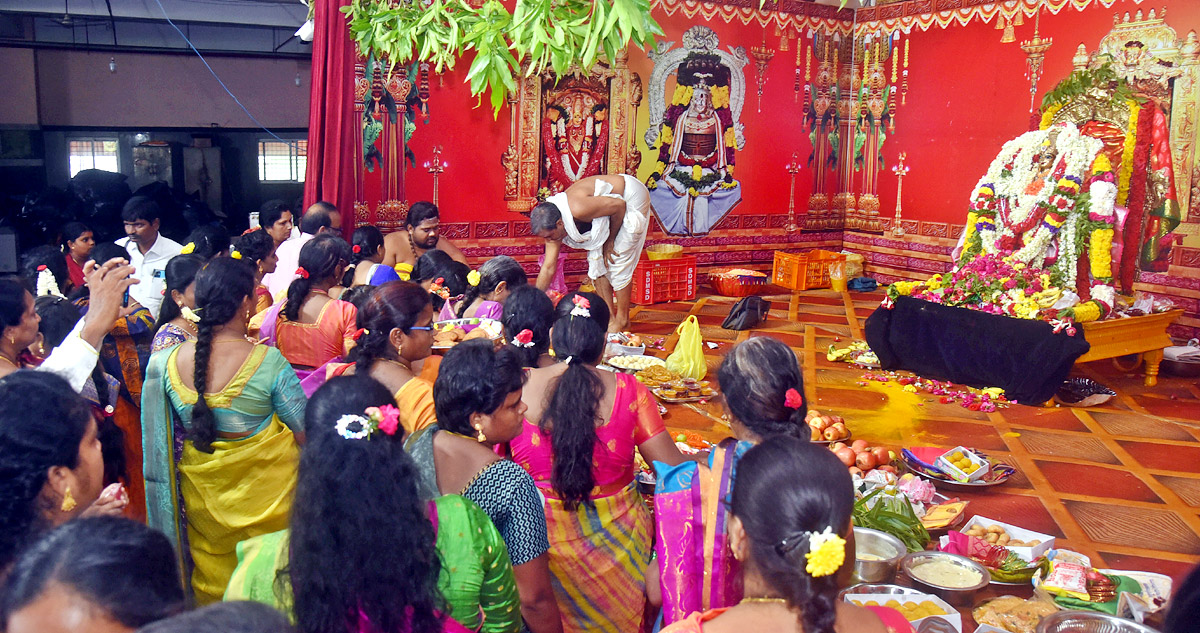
pixel 92 153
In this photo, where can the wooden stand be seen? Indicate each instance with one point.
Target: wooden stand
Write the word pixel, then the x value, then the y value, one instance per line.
pixel 1144 335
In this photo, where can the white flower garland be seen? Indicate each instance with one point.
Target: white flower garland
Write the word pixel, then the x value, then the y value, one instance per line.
pixel 1075 151
pixel 47 284
pixel 342 426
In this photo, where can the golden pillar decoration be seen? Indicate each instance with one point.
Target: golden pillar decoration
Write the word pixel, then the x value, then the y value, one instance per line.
pixel 901 170
pixel 762 55
pixel 792 168
pixel 1035 54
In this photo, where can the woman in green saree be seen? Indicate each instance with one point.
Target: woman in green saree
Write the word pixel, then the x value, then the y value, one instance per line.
pixel 364 552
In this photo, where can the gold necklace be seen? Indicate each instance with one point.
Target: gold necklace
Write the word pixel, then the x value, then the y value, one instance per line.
pixel 762 600
pixel 398 363
pixel 10 361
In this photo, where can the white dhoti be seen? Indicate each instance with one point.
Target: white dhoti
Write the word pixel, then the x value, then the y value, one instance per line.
pixel 628 243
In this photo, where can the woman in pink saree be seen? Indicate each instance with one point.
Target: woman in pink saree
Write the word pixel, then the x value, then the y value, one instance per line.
pixel 762 387
pixel 789 527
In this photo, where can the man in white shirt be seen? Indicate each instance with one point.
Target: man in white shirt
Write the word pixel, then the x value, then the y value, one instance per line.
pixel 321 217
pixel 148 251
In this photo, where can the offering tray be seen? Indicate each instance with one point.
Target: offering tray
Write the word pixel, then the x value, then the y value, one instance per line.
pixel 449 324
pixel 998 474
pixel 668 400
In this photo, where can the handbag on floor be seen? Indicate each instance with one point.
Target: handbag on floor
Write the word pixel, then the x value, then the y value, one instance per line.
pixel 747 313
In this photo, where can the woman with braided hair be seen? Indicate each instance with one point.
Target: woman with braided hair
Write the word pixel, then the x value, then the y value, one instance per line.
pixel 789 526
pixel 310 327
pixel 762 389
pixel 245 429
pixel 583 427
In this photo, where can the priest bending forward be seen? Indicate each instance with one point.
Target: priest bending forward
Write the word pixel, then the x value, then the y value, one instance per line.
pixel 607 216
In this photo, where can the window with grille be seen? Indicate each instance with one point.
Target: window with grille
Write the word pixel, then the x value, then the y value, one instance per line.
pixel 280 161
pixel 92 153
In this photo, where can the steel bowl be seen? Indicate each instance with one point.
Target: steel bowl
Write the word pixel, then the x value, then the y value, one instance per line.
pixel 878 589
pixel 1088 622
pixel 887 547
pixel 957 596
pixel 1181 368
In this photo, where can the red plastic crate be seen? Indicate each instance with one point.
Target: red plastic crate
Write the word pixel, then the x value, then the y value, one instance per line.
pixel 656 281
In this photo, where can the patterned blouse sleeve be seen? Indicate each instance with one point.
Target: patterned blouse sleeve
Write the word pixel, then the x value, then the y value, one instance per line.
pixel 519 511
pixel 498 594
pixel 287 397
pixel 649 421
pixel 167 337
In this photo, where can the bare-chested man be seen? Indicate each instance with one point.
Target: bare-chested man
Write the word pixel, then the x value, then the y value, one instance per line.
pixel 608 217
pixel 420 235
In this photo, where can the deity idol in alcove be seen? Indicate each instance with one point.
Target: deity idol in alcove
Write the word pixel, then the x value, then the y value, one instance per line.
pixel 574 133
pixel 698 134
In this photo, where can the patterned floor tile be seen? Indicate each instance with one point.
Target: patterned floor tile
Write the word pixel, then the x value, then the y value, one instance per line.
pixel 980 436
pixel 1187 488
pixel 1057 418
pixel 1134 527
pixel 1064 445
pixel 1163 456
pixel 1135 425
pixel 1096 481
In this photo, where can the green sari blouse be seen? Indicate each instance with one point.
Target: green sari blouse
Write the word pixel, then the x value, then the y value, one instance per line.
pixel 476 578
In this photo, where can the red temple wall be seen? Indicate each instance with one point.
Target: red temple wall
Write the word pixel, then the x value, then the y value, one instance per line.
pixel 968 94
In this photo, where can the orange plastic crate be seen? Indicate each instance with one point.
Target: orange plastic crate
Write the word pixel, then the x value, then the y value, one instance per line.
pixel 656 281
pixel 804 271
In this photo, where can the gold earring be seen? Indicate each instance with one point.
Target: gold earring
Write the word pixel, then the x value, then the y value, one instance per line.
pixel 68 502
pixel 481 437
pixel 400 350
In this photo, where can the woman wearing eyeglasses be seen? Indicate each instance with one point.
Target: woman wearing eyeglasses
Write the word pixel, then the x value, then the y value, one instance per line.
pixel 395 331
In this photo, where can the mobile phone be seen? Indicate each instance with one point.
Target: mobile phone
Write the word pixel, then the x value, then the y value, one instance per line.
pixel 125 301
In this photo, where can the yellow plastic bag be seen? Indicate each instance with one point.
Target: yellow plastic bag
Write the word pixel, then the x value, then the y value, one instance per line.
pixel 688 358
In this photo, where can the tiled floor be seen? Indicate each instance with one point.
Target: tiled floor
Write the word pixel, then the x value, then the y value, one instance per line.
pixel 1120 483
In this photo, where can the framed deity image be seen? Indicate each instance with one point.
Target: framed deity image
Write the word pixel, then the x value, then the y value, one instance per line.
pixel 570 127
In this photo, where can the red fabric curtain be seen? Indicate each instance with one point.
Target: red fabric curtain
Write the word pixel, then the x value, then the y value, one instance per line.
pixel 334 149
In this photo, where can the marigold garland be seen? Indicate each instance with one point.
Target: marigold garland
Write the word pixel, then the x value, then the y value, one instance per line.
pixel 667 136
pixel 1123 178
pixel 1100 253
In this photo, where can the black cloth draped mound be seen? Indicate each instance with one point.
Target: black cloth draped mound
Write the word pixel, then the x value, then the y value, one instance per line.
pixel 1022 356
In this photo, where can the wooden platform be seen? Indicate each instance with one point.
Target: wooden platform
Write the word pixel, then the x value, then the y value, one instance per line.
pixel 1144 335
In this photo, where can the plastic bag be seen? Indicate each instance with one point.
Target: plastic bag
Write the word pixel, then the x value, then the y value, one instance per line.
pixel 688 358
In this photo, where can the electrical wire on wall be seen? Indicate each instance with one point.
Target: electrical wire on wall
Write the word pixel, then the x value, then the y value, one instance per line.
pixel 215 76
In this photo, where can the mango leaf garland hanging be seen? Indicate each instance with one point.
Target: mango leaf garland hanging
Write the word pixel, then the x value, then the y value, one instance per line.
pixel 543 34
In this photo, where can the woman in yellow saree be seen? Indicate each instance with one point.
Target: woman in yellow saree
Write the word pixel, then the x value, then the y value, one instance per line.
pixel 222 468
